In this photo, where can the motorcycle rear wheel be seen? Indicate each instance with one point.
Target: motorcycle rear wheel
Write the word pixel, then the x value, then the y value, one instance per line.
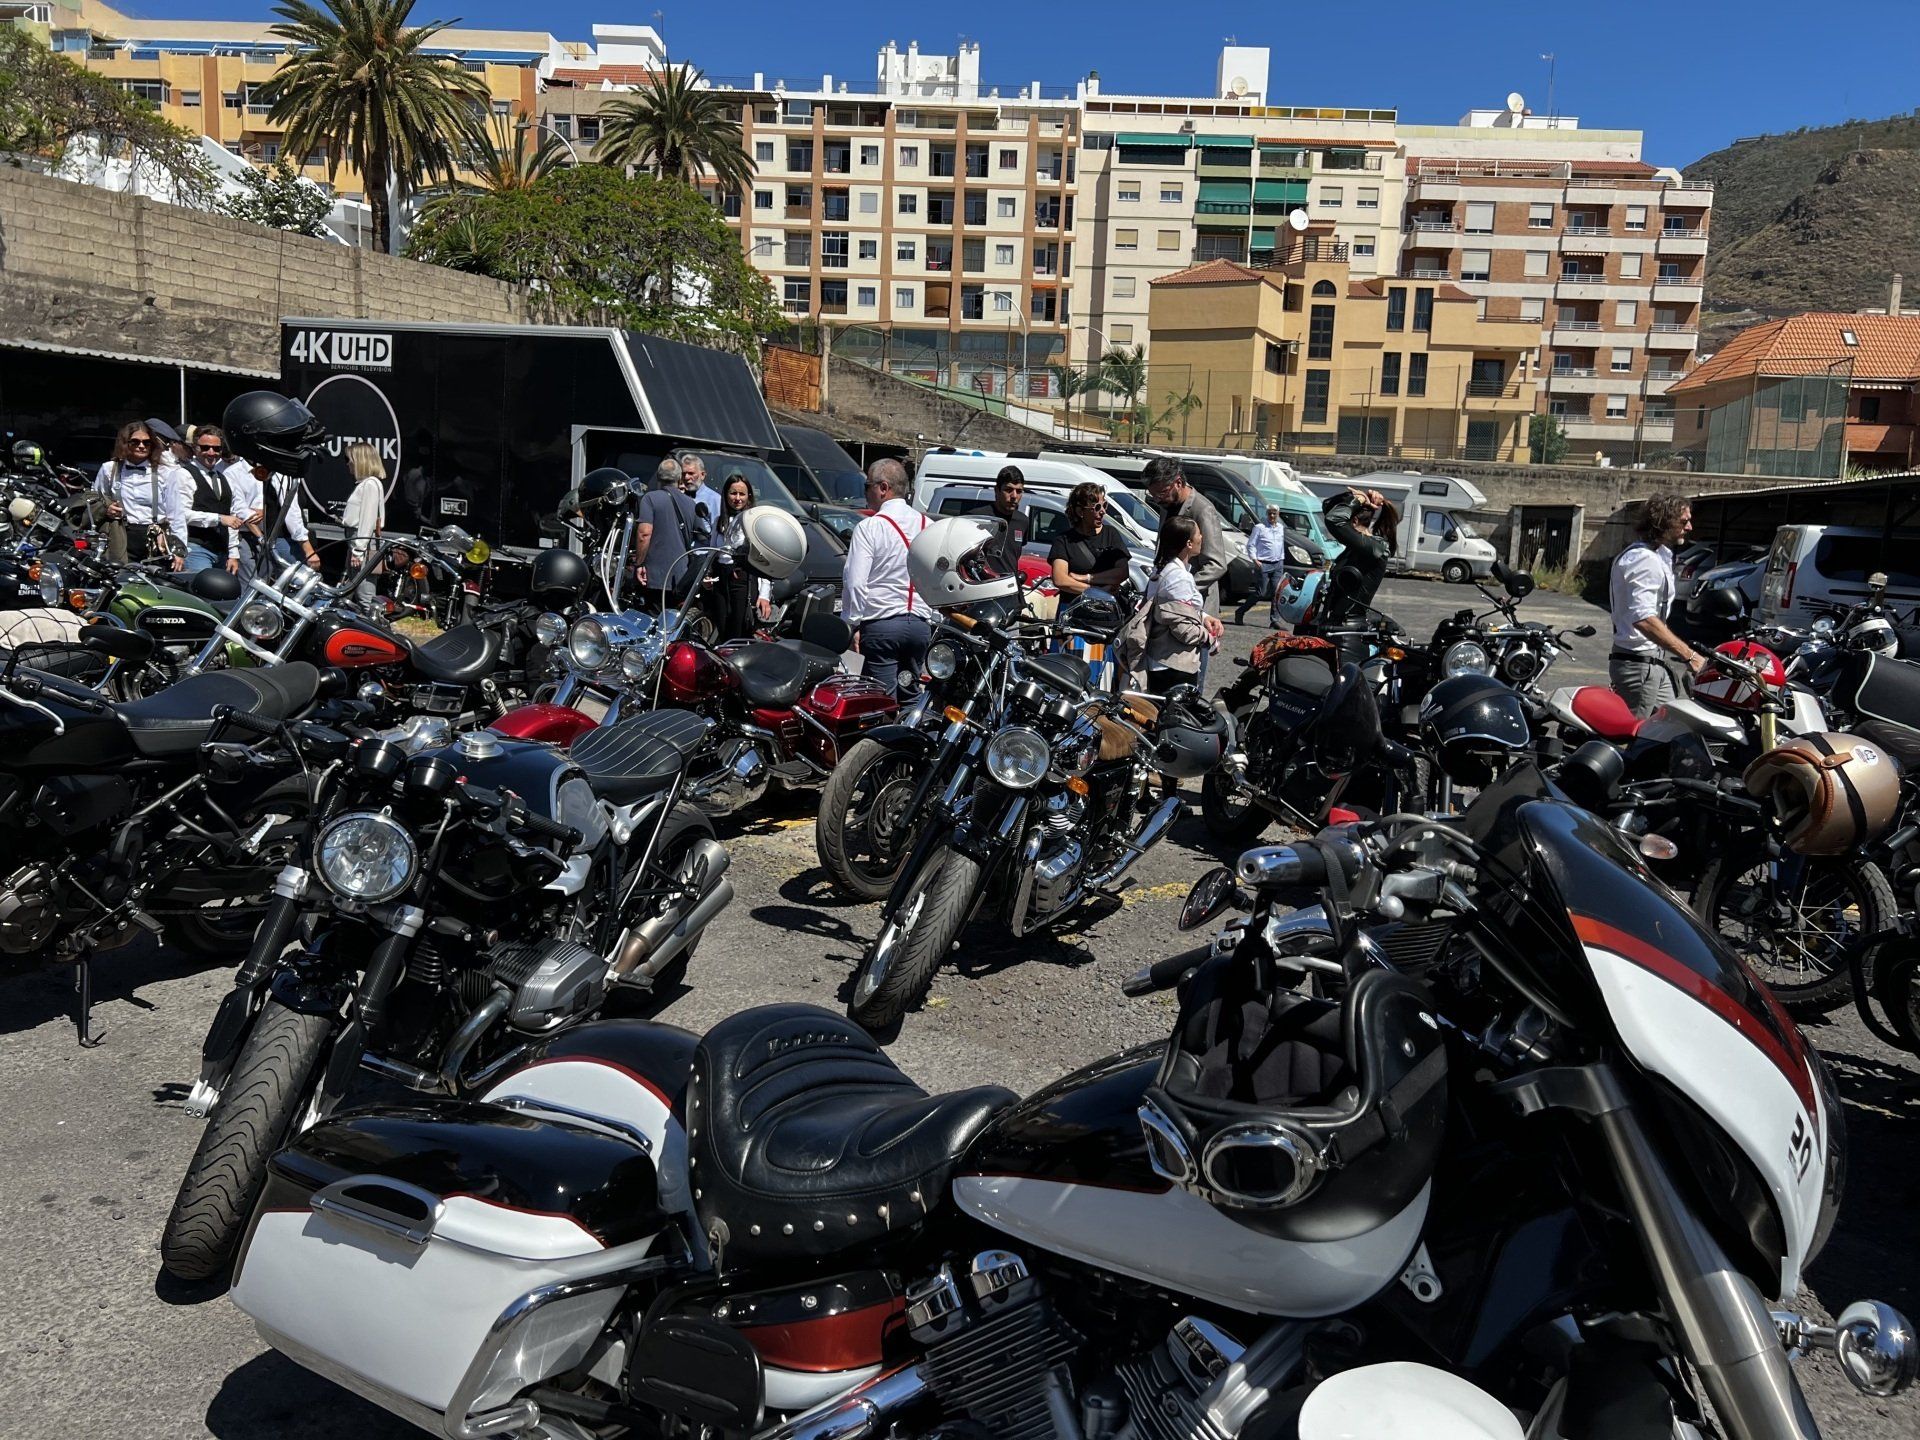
pixel 862 836
pixel 1231 814
pixel 269 1087
pixel 1795 942
pixel 227 930
pixel 931 914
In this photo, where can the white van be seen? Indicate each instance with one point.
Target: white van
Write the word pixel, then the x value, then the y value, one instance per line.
pixel 1812 566
pixel 1279 485
pixel 1060 475
pixel 1432 539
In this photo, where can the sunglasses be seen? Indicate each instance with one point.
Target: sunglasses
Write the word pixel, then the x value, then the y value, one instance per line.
pixel 143 443
pixel 211 449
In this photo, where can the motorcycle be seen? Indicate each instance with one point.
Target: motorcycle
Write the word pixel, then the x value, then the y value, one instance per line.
pixel 457 904
pixel 1497 641
pixel 769 1230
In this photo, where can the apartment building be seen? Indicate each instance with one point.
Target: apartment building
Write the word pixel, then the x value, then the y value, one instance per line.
pixel 203 74
pixel 1543 222
pixel 1303 354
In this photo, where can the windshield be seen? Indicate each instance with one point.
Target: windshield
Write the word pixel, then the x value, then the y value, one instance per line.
pixel 1138 509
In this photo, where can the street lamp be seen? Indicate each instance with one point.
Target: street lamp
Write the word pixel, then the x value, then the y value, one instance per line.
pixel 1003 300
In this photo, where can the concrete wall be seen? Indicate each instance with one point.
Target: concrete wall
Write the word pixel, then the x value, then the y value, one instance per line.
pixel 915 415
pixel 88 267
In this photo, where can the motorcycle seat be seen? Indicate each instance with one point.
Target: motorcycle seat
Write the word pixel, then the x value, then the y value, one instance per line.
pixel 821 662
pixel 633 759
pixel 806 1140
pixel 1603 711
pixel 773 676
pixel 1067 671
pixel 179 719
pixel 463 655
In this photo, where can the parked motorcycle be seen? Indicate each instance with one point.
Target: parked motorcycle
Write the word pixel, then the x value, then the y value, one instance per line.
pixel 457 903
pixel 1497 641
pixel 1274 1223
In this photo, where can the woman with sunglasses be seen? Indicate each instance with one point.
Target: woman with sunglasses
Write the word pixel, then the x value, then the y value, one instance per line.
pixel 1086 557
pixel 146 497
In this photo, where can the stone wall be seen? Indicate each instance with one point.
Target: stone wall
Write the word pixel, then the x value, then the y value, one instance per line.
pixel 94 268
pixel 911 414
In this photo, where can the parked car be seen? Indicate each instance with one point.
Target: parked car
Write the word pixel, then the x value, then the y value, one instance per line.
pixel 1047 517
pixel 1692 565
pixel 1745 576
pixel 830 468
pixel 1810 567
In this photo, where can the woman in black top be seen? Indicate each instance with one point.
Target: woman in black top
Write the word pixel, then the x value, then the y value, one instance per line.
pixel 1363 521
pixel 1086 557
pixel 743 596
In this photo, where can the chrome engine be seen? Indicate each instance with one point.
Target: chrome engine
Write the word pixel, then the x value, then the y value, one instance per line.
pixel 992 1342
pixel 1057 866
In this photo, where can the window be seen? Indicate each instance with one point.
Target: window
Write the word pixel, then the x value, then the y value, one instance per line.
pixel 1390 373
pixel 833 296
pixel 799 293
pixel 1363 247
pixel 1540 217
pixel 1127 190
pixel 869 249
pixel 1562 407
pixel 1847 337
pixel 1533 309
pixel 1417 374
pixel 905 251
pixel 1479 217
pixel 1475 264
pixel 1669 270
pixel 909 204
pixel 1423 309
pixel 799 155
pixel 590 127
pixel 1168 240
pixel 1397 308
pixel 1123 287
pixel 869 202
pixel 1003 254
pixel 869 154
pixel 1368 198
pixel 1622 360
pixel 1121 333
pixel 1536 262
pixel 910 155
pixel 1626 312
pixel 1636 217
pixel 1007 207
pixel 1276 359
pixel 1330 199
pixel 1009 159
pixel 763 152
pixel 562 125
pixel 1630 267
pixel 800 250
pixel 154 92
pixel 1325 287
pixel 1172 194
pixel 1314 410
pixel 1126 239
pixel 1320 333
pixel 1870 409
pixel 766 116
pixel 1616 407
pixel 190 99
pixel 763 200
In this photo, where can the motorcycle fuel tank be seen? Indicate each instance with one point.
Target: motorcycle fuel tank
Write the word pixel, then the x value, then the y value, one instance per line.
pixel 350 642
pixel 1067 1171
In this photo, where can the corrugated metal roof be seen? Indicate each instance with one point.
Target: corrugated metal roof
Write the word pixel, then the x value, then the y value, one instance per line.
pixel 53 348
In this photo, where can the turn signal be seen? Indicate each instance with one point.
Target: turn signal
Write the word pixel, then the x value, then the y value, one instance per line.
pixel 1394 652
pixel 77 599
pixel 1079 786
pixel 955 715
pixel 419 570
pixel 33 572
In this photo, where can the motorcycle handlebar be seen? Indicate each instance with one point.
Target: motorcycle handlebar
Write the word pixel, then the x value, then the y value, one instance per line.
pixel 1163 974
pixel 246 720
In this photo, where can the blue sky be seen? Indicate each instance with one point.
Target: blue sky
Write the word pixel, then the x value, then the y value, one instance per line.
pixel 1692 76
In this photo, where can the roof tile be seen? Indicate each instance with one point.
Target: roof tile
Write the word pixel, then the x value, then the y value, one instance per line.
pixel 1212 272
pixel 1887 348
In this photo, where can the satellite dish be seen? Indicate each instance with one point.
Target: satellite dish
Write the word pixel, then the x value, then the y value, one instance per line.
pixel 1516 102
pixel 1238 85
pixel 1296 219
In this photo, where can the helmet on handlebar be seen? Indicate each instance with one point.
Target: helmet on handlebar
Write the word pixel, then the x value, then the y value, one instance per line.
pixel 1476 725
pixel 1721 685
pixel 1833 793
pixel 1875 634
pixel 951 563
pixel 1192 737
pixel 606 486
pixel 560 578
pixel 264 428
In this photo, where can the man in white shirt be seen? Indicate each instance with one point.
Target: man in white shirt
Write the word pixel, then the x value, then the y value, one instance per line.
pixel 1267 549
pixel 278 494
pixel 892 625
pixel 693 480
pixel 213 518
pixel 1640 593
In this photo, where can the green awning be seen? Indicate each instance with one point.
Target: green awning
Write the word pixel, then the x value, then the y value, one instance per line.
pixel 1262 239
pixel 1156 142
pixel 1227 192
pixel 1224 142
pixel 1280 192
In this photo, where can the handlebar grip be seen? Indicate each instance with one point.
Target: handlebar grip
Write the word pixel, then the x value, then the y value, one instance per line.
pixel 1163 974
pixel 246 720
pixel 965 622
pixel 524 820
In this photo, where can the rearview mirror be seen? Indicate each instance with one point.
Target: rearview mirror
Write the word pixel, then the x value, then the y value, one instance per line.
pixel 1585 632
pixel 1211 894
pixel 117 644
pixel 1519 583
pixel 1348 582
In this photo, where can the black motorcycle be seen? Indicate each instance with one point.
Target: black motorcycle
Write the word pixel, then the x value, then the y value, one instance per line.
pixel 457 904
pixel 1496 641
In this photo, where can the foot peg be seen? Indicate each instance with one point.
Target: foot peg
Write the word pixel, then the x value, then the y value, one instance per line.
pixel 1874 1342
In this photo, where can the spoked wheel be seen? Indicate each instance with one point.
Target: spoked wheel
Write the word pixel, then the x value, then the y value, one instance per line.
pixel 1792 919
pixel 897 970
pixel 279 818
pixel 864 826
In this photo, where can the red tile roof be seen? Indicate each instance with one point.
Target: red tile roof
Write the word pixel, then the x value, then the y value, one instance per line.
pixel 1214 272
pixel 1887 348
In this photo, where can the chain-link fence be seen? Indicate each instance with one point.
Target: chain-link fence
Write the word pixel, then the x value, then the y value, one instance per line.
pixel 1793 425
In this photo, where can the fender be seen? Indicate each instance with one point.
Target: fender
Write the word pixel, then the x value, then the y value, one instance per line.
pixel 903 737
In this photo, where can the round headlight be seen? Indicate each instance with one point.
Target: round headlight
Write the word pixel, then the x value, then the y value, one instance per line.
pixel 635 663
pixel 1520 664
pixel 52 584
pixel 367 857
pixel 1466 657
pixel 942 660
pixel 550 629
pixel 1018 757
pixel 261 621
pixel 587 644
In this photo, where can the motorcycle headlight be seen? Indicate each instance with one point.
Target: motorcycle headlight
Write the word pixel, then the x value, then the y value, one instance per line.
pixel 367 857
pixel 635 663
pixel 1018 757
pixel 587 644
pixel 1466 657
pixel 261 621
pixel 52 585
pixel 550 629
pixel 943 659
pixel 1520 664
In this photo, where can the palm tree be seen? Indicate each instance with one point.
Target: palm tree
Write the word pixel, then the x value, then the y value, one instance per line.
pixel 361 89
pixel 1123 372
pixel 675 126
pixel 515 156
pixel 1179 407
pixel 1073 380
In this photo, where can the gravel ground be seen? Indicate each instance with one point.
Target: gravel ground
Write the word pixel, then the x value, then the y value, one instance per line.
pixel 96 1344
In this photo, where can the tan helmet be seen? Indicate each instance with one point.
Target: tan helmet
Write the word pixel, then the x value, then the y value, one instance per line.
pixel 1832 792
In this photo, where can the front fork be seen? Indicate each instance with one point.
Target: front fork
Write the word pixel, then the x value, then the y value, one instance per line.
pixel 238 1006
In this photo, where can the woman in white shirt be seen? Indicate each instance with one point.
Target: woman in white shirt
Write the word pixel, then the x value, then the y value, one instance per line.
pixel 1179 629
pixel 735 582
pixel 366 513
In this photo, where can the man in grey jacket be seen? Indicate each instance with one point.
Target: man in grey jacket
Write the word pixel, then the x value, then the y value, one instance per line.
pixel 1169 490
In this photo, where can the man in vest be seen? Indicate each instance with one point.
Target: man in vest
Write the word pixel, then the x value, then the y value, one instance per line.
pixel 891 624
pixel 213 519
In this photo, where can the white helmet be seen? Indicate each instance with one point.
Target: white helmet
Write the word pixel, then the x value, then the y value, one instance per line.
pixel 1875 633
pixel 776 542
pixel 949 564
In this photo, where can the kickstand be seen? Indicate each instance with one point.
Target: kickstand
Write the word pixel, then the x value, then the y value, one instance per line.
pixel 83 1001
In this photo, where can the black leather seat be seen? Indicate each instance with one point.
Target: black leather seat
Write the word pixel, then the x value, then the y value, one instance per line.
pixel 806 1139
pixel 632 759
pixel 463 655
pixel 1069 671
pixel 179 719
pixel 821 662
pixel 773 675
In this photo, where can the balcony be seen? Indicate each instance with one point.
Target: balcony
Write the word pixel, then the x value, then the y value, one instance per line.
pixel 1431 227
pixel 1656 427
pixel 1673 337
pixel 1571 372
pixel 1681 242
pixel 1493 389
pixel 1577 328
pixel 1583 277
pixel 1693 194
pixel 1424 272
pixel 1678 287
pixel 940 258
pixel 1586 231
pixel 1586 427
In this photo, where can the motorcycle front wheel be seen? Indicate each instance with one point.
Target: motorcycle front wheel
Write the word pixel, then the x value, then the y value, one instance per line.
pixel 265 1095
pixel 863 834
pixel 897 970
pixel 1793 919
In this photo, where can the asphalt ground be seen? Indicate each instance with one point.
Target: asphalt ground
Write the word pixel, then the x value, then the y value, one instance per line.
pixel 93 1343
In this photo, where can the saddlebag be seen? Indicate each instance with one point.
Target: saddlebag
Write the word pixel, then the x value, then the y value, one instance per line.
pixel 1885 694
pixel 389 1241
pixel 846 706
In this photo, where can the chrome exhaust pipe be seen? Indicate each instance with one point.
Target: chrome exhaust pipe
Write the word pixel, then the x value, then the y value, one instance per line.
pixel 1151 834
pixel 686 932
pixel 865 1410
pixel 738 782
pixel 709 860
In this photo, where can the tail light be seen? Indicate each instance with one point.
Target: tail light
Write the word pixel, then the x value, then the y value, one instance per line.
pixel 1793 571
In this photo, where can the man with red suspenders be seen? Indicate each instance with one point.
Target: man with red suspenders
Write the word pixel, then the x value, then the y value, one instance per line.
pixel 891 624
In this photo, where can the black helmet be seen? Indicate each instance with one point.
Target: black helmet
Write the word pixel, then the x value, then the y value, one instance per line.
pixel 1475 724
pixel 1309 1120
pixel 560 578
pixel 1725 604
pixel 1192 736
pixel 264 428
pixel 606 486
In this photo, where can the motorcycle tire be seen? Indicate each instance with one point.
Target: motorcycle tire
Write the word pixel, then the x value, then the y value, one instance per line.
pixel 263 1098
pixel 683 827
pixel 1231 815
pixel 850 806
pixel 1819 984
pixel 228 931
pixel 932 912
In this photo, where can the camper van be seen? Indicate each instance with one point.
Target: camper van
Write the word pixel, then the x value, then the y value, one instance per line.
pixel 1434 538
